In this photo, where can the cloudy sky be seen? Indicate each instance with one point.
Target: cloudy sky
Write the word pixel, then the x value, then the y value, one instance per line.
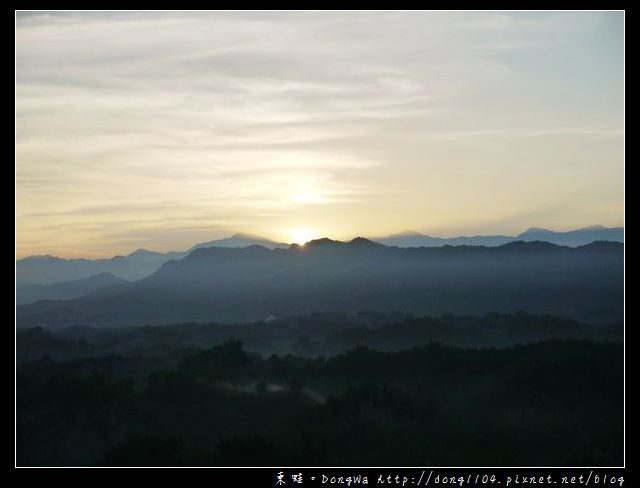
pixel 160 130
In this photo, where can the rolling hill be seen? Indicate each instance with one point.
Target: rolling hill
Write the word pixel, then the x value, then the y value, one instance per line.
pixel 247 284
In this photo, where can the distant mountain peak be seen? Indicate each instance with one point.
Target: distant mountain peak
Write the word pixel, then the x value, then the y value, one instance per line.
pixel 361 241
pixel 41 257
pixel 142 252
pixel 536 229
pixel 323 241
pixel 240 239
pixel 408 233
pixel 593 227
pixel 244 235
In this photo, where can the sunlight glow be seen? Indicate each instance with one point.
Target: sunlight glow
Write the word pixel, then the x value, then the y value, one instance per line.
pixel 302 236
pixel 356 135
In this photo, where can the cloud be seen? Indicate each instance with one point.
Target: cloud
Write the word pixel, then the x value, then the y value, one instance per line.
pixel 173 117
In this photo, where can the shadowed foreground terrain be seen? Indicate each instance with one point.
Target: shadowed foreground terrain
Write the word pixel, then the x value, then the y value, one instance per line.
pixel 192 395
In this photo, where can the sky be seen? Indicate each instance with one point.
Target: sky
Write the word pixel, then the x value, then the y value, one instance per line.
pixel 158 130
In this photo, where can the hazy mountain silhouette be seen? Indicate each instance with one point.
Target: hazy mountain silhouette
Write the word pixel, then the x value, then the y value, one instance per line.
pixel 578 237
pixel 47 269
pixel 142 262
pixel 241 240
pixel 246 284
pixel 67 289
pixel 415 239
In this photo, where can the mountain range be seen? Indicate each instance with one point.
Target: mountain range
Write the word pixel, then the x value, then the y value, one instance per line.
pixel 578 237
pixel 66 290
pixel 46 270
pixel 241 240
pixel 251 283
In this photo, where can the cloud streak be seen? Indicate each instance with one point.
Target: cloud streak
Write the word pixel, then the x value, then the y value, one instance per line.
pixel 230 118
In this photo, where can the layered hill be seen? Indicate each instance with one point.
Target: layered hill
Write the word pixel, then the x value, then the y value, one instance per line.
pixel 247 284
pixel 46 270
pixel 66 290
pixel 578 237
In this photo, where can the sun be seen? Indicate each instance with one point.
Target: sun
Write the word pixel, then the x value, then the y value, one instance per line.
pixel 301 236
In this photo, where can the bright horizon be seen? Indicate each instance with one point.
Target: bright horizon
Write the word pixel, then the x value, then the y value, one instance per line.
pixel 297 236
pixel 162 130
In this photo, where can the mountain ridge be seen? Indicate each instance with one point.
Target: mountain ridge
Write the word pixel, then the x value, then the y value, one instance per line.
pixel 66 290
pixel 248 284
pixel 47 269
pixel 573 238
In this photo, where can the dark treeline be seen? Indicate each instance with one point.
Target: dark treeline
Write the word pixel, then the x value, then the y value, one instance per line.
pixel 175 396
pixel 308 335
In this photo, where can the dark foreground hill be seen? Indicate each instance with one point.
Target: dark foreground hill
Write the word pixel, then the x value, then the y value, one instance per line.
pixel 242 285
pixel 557 403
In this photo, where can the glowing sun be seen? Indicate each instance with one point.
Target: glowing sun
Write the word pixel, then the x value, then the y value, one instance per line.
pixel 301 236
